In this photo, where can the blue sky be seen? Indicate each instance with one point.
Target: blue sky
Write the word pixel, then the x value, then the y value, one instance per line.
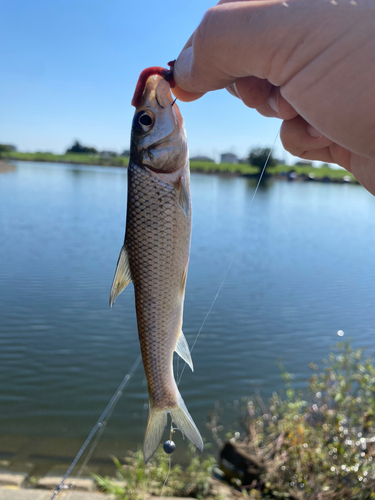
pixel 69 68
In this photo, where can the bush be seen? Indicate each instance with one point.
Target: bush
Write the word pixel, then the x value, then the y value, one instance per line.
pixel 320 449
pixel 78 148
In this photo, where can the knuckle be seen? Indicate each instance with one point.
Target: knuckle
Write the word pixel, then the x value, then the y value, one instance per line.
pixel 211 25
pixel 207 21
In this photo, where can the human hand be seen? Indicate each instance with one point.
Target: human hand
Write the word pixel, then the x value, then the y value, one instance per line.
pixel 309 62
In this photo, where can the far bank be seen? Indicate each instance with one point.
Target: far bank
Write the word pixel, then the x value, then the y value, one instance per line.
pixel 280 171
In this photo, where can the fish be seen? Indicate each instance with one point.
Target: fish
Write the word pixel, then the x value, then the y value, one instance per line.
pixel 156 249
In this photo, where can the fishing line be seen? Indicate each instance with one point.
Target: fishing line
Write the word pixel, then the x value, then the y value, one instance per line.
pixel 166 478
pixel 221 286
pixel 264 167
pixel 170 451
pixel 100 424
pixel 233 258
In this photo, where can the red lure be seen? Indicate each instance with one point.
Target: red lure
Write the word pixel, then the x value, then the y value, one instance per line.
pixel 167 74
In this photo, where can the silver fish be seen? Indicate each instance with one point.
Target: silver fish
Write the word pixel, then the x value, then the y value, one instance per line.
pixel 156 250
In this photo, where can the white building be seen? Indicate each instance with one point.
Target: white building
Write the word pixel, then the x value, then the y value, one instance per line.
pixel 228 158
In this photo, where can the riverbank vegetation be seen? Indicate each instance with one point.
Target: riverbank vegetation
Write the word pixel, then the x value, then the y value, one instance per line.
pixel 280 171
pixel 316 445
pixel 75 158
pixel 134 480
pixel 319 445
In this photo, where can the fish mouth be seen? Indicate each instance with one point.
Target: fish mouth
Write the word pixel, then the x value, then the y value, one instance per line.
pixel 157 101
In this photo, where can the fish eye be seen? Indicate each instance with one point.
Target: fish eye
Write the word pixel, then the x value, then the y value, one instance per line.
pixel 143 121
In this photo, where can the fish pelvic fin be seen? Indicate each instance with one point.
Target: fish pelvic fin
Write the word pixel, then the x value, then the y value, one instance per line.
pixel 122 276
pixel 182 349
pixel 156 424
pixel 182 418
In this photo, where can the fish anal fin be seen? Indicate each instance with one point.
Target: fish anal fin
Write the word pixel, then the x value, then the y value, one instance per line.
pixel 183 197
pixel 156 424
pixel 122 276
pixel 182 349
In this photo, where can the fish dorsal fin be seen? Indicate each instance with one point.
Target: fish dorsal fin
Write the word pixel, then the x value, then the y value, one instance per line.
pixel 183 197
pixel 122 276
pixel 183 351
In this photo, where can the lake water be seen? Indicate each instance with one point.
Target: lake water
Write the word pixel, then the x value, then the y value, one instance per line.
pixel 303 269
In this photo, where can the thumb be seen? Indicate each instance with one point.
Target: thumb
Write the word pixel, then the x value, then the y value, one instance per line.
pixel 230 42
pixel 269 39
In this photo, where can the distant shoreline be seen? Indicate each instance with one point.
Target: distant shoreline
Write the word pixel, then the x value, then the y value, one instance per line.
pixel 279 172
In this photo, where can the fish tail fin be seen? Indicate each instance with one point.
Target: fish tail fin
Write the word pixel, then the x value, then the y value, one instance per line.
pixel 182 418
pixel 156 424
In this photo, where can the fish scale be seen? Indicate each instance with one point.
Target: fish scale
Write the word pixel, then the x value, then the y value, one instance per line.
pixel 157 257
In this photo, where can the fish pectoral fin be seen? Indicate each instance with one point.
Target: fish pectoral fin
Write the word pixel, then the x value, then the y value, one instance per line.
pixel 182 349
pixel 156 424
pixel 122 276
pixel 183 197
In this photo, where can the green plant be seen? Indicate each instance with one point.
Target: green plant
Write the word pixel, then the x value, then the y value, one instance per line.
pixel 317 447
pixel 134 479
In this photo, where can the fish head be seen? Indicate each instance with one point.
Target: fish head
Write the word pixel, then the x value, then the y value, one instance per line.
pixel 158 138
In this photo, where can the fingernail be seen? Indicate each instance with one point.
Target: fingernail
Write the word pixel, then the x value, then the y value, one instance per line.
pixel 313 132
pixel 182 67
pixel 232 89
pixel 272 103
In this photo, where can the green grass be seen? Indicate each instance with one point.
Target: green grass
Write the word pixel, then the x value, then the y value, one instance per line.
pixel 118 161
pixel 278 170
pixel 320 173
pixel 222 168
pixel 195 166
